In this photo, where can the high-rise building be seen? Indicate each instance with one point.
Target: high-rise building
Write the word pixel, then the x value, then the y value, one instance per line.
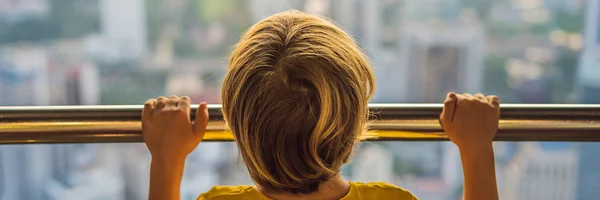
pixel 589 68
pixel 589 92
pixel 123 27
pixel 373 163
pixel 23 171
pixel 541 173
pixel 376 25
pixel 80 169
pixel 74 83
pixel 589 160
pixel 439 59
pixel 451 170
pixel 415 61
pixel 12 10
pixel 24 76
pixel 26 79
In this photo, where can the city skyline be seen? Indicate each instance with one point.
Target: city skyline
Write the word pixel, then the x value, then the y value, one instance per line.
pixel 525 51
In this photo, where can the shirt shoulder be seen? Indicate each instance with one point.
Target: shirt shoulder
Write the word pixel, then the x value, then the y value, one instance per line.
pixel 378 190
pixel 228 192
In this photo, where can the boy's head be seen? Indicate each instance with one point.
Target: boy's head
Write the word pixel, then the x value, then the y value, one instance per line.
pixel 295 97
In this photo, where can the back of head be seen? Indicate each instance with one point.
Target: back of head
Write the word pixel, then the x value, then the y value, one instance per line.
pixel 295 97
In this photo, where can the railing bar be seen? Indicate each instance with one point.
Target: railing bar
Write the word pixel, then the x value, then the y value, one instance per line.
pixel 397 122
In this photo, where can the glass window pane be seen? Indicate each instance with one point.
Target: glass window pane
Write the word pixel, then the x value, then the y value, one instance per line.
pixel 431 170
pixel 57 52
pixel 73 52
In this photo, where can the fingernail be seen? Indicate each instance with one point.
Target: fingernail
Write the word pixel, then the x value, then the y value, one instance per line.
pixel 452 95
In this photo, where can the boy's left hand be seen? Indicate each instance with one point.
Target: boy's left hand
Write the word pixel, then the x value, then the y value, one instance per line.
pixel 167 129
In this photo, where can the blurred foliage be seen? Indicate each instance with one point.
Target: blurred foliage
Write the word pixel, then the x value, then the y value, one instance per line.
pixel 196 15
pixel 481 7
pixel 66 19
pixel 569 21
pixel 184 47
pixel 76 18
pixel 503 30
pixel 495 78
pixel 28 30
pixel 123 83
pixel 154 20
pixel 210 10
pixel 563 82
pixel 540 29
pixel 566 60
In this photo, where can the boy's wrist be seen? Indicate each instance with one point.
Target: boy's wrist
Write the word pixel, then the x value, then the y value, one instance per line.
pixel 476 150
pixel 168 159
pixel 166 173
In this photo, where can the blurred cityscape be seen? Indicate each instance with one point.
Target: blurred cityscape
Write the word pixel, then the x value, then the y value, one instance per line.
pixel 87 52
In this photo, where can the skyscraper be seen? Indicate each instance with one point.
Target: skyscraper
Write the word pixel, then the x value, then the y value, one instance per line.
pixel 589 90
pixel 376 25
pixel 541 172
pixel 441 59
pixel 24 76
pixel 123 23
pixel 373 163
pixel 11 10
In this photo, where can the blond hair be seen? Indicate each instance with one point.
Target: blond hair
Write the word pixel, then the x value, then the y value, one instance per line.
pixel 295 96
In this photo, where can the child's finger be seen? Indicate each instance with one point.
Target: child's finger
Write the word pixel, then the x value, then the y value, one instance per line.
pixel 147 111
pixel 184 104
pixel 161 102
pixel 201 120
pixel 172 102
pixel 449 107
pixel 493 100
pixel 481 98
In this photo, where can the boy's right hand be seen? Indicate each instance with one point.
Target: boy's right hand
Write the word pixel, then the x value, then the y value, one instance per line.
pixel 167 129
pixel 471 121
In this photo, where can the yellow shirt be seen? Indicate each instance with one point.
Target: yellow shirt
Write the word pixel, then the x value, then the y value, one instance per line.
pixel 374 190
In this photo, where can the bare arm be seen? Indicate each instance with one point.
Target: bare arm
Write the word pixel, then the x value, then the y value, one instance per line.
pixel 471 122
pixel 165 178
pixel 479 173
pixel 170 137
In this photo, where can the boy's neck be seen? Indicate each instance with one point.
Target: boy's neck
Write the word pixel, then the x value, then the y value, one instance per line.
pixel 334 188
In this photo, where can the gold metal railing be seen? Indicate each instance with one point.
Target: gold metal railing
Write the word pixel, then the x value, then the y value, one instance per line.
pixel 100 124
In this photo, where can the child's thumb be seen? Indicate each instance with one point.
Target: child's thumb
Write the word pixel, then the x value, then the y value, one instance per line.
pixel 201 120
pixel 449 108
